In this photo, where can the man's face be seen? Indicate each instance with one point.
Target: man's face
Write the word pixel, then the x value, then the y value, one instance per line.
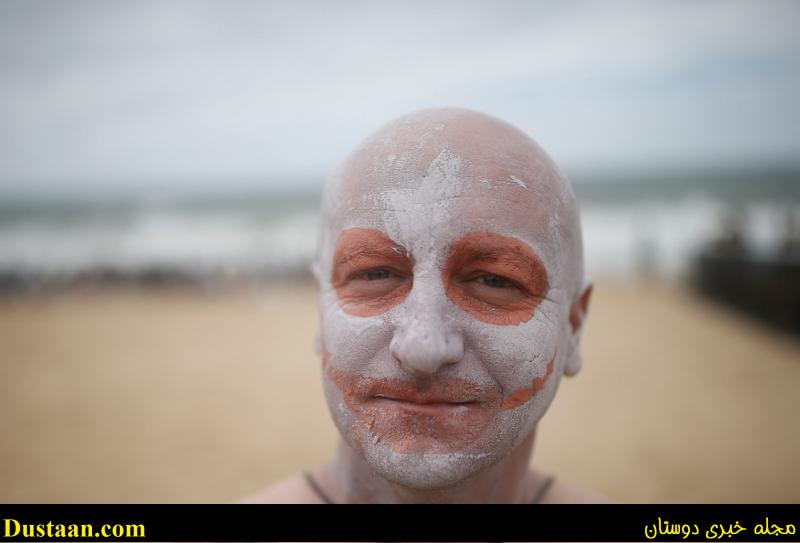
pixel 444 307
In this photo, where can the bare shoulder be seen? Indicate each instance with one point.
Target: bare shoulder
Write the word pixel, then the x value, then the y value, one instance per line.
pixel 291 490
pixel 564 492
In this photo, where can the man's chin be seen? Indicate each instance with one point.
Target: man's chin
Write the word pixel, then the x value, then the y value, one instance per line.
pixel 426 471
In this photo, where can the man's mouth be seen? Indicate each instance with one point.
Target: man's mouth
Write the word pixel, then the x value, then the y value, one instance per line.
pixel 425 406
pixel 422 398
pixel 441 415
pixel 437 400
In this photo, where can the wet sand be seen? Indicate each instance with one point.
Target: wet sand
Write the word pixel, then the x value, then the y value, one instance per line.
pixel 177 395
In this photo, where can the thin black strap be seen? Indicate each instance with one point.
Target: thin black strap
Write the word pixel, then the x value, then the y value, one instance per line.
pixel 317 490
pixel 543 489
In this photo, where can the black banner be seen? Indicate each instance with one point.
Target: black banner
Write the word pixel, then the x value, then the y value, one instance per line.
pixel 399 523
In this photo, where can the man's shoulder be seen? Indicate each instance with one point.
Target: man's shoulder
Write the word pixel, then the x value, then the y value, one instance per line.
pixel 291 490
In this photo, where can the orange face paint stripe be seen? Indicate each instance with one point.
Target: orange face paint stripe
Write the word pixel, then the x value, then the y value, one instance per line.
pixel 523 395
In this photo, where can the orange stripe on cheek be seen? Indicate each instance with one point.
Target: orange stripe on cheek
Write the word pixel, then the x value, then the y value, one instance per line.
pixel 359 250
pixel 523 395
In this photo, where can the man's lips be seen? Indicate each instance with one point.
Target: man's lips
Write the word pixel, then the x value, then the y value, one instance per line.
pixel 439 415
pixel 432 408
pixel 438 397
pixel 422 399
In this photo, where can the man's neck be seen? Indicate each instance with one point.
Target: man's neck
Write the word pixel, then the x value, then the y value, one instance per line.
pixel 349 479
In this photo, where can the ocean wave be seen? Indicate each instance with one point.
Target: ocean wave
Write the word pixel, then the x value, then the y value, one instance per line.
pixel 164 243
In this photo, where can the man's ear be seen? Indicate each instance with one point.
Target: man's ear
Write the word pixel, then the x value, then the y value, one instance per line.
pixel 577 317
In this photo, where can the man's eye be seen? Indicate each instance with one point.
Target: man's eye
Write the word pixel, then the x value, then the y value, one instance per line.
pixel 374 275
pixel 495 281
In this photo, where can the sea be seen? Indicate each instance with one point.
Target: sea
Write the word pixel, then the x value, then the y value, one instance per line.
pixel 652 224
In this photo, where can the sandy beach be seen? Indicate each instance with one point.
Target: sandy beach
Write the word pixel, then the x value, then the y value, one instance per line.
pixel 182 395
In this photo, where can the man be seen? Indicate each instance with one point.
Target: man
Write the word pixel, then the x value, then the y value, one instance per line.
pixel 452 298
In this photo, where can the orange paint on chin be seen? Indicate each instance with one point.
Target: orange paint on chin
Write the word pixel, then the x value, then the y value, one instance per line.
pixel 523 395
pixel 358 251
pixel 503 256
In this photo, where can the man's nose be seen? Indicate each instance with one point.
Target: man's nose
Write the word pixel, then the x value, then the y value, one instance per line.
pixel 423 341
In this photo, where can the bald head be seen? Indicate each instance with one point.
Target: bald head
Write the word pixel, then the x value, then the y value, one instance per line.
pixel 473 156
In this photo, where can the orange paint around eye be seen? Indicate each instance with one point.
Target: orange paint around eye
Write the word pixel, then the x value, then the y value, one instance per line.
pixel 359 250
pixel 497 255
pixel 523 395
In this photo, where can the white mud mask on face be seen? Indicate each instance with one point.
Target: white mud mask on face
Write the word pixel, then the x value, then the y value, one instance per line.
pixel 449 260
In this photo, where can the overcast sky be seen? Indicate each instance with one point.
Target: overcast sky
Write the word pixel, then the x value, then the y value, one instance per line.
pixel 190 94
